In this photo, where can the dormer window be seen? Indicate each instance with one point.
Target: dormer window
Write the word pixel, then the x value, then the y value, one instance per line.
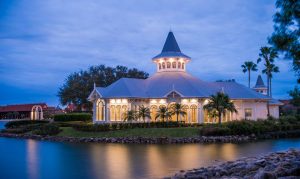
pixel 182 65
pixel 168 64
pixel 179 65
pixel 163 65
pixel 173 64
pixel 159 66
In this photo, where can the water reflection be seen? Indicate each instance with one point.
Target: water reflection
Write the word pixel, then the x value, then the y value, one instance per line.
pixel 39 159
pixel 32 159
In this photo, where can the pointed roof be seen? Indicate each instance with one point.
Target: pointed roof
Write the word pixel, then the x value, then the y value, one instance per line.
pixel 170 44
pixel 171 48
pixel 259 83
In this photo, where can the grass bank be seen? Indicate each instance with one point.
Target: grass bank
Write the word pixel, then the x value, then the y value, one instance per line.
pixel 136 132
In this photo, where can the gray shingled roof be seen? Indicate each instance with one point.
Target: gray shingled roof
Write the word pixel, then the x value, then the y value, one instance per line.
pixel 171 48
pixel 259 83
pixel 161 84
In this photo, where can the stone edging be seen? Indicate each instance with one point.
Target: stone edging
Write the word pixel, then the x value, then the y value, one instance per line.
pixel 136 140
pixel 275 165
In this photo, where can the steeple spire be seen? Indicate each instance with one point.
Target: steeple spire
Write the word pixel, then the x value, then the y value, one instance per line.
pixel 259 82
pixel 171 44
pixel 171 49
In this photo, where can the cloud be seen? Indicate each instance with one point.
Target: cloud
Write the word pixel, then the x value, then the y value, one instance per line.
pixel 41 42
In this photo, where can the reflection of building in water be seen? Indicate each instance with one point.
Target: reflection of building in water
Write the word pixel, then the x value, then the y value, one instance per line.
pixel 173 84
pixel 32 158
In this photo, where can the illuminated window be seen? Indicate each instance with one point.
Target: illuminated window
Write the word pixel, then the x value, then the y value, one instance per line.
pixel 100 111
pixel 168 64
pixel 185 117
pixel 193 113
pixel 153 110
pixel 248 113
pixel 124 111
pixel 179 65
pixel 118 113
pixel 159 65
pixel 112 113
pixel 173 64
pixel 182 65
pixel 163 65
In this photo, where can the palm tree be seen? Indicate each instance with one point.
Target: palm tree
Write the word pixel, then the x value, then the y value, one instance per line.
pixel 220 103
pixel 130 115
pixel 143 112
pixel 249 66
pixel 268 55
pixel 178 109
pixel 269 70
pixel 163 113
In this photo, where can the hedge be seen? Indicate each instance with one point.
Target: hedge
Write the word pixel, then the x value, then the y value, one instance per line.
pixel 248 127
pixel 73 117
pixel 121 126
pixel 47 129
pixel 16 124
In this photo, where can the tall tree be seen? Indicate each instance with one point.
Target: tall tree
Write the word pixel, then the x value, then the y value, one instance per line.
pixel 220 103
pixel 144 112
pixel 249 66
pixel 295 94
pixel 79 85
pixel 163 113
pixel 268 55
pixel 178 110
pixel 286 35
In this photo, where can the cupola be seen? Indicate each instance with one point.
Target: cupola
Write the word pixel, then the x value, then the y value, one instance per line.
pixel 171 58
pixel 260 87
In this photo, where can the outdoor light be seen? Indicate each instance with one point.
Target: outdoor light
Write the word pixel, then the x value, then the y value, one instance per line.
pixel 118 101
pixel 162 101
pixel 112 101
pixel 184 101
pixel 124 101
pixel 193 100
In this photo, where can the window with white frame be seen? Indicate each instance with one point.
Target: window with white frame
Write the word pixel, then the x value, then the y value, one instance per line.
pixel 248 113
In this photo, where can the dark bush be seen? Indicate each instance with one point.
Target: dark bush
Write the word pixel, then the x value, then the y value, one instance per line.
pixel 215 131
pixel 16 124
pixel 47 129
pixel 73 117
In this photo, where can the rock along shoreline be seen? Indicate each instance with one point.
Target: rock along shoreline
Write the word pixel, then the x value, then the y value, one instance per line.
pixel 284 165
pixel 156 140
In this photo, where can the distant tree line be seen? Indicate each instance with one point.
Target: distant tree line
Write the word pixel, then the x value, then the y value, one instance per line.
pixel 79 85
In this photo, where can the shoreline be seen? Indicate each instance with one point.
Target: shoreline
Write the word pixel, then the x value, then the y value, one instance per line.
pixel 284 164
pixel 157 140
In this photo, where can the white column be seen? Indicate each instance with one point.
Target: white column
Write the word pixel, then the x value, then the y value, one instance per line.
pixel 107 111
pixel 94 110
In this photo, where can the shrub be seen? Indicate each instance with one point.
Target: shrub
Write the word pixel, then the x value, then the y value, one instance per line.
pixel 16 124
pixel 114 126
pixel 73 117
pixel 47 129
pixel 92 128
pixel 214 131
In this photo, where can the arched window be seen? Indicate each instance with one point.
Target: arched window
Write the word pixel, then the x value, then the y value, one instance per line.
pixel 118 113
pixel 185 117
pixel 182 65
pixel 112 113
pixel 153 110
pixel 179 65
pixel 124 111
pixel 100 111
pixel 159 65
pixel 163 65
pixel 173 64
pixel 193 113
pixel 168 64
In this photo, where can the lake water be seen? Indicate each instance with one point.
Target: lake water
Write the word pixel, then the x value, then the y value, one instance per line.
pixel 39 159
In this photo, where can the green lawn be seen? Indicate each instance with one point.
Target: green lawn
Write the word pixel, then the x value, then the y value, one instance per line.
pixel 137 132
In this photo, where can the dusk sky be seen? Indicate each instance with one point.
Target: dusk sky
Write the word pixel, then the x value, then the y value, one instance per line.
pixel 43 41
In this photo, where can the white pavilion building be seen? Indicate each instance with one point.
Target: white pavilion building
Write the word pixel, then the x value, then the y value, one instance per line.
pixel 171 83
